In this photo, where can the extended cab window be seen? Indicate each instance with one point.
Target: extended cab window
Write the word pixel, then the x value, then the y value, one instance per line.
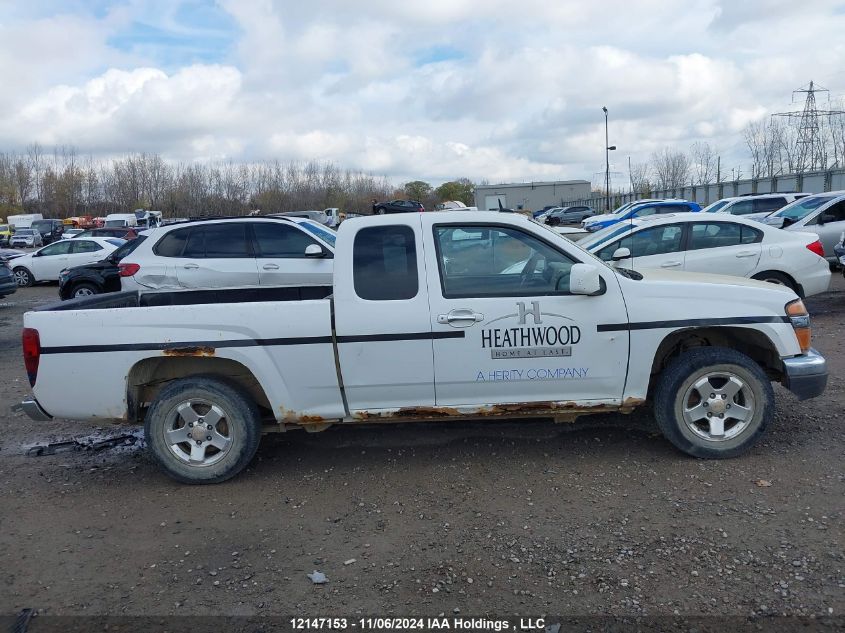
pixel 657 240
pixel 384 263
pixel 275 239
pixel 492 261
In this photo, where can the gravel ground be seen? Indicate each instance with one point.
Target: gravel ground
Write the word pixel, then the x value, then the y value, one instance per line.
pixel 601 517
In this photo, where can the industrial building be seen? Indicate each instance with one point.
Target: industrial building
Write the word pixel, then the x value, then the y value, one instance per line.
pixel 530 195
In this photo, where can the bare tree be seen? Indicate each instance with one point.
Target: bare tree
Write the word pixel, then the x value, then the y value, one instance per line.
pixel 639 177
pixel 703 163
pixel 671 168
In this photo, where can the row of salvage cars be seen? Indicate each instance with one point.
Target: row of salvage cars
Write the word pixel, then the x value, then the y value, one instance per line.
pixel 292 251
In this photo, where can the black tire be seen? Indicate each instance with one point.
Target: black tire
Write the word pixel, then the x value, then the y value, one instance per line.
pixel 242 427
pixel 673 391
pixel 84 289
pixel 22 277
pixel 775 277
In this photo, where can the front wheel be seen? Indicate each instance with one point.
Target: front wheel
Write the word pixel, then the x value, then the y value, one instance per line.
pixel 22 277
pixel 203 430
pixel 85 290
pixel 713 402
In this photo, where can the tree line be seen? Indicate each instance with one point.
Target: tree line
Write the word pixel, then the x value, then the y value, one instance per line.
pixel 61 183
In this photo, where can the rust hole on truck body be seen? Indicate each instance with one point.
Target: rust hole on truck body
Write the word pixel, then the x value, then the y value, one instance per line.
pixel 189 351
pixel 560 411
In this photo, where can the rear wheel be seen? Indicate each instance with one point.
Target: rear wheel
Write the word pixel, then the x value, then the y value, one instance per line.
pixel 23 277
pixel 203 430
pixel 713 402
pixel 85 290
pixel 774 277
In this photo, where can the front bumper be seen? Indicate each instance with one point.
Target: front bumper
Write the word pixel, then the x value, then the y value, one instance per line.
pixel 31 407
pixel 805 375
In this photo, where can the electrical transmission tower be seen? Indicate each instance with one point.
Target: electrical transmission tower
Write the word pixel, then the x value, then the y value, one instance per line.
pixel 811 142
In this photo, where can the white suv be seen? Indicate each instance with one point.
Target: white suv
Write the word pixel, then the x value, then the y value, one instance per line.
pixel 231 252
pixel 753 207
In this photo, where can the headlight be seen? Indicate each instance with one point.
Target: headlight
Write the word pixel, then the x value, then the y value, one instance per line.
pixel 800 320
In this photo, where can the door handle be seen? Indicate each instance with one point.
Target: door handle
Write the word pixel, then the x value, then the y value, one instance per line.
pixel 670 264
pixel 460 317
pixel 746 254
pixel 270 267
pixel 190 266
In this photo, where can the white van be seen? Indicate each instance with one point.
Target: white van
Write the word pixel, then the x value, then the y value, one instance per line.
pixel 120 220
pixel 23 221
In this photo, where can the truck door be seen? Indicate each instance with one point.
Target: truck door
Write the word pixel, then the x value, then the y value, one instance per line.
pixel 381 315
pixel 506 328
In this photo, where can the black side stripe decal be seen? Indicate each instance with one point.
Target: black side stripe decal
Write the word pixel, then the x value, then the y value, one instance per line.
pixel 654 325
pixel 248 342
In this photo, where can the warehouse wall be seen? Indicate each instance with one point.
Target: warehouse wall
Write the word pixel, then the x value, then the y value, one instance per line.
pixel 534 195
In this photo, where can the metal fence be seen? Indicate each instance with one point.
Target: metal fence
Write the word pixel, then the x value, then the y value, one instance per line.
pixel 808 182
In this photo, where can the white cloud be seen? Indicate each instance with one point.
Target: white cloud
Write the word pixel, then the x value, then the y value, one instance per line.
pixel 437 89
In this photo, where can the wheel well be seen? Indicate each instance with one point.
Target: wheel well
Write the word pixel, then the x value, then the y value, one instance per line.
pixel 795 285
pixel 752 343
pixel 149 376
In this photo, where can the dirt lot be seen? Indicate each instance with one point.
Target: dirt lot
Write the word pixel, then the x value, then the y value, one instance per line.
pixel 600 517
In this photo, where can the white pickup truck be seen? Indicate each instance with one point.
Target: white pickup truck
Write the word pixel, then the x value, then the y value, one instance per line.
pixel 429 318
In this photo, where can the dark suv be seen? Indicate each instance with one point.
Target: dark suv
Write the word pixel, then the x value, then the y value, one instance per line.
pixel 51 230
pixel 398 206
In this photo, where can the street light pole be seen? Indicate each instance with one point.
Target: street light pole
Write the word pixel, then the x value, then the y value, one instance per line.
pixel 607 149
pixel 606 160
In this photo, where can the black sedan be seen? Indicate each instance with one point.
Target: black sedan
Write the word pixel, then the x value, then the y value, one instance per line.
pixel 97 278
pixel 398 206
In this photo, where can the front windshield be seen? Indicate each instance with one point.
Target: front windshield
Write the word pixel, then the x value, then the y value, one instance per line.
pixel 115 223
pixel 801 208
pixel 24 232
pixel 715 206
pixel 605 235
pixel 323 232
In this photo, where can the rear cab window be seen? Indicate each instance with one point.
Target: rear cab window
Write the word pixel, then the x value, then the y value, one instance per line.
pixel 384 263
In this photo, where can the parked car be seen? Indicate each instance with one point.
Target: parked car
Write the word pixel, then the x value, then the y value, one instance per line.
pixel 567 215
pixel 69 233
pixel 6 231
pixel 753 207
pixel 51 230
pixel 121 220
pixel 621 209
pixel 29 238
pixel 320 217
pixel 822 214
pixel 97 277
pixel 546 209
pixel 249 251
pixel 123 233
pixel 839 252
pixel 716 244
pixel 46 263
pixel 398 206
pixel 420 326
pixel 640 210
pixel 8 285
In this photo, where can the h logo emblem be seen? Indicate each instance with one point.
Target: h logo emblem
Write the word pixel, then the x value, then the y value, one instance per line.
pixel 524 312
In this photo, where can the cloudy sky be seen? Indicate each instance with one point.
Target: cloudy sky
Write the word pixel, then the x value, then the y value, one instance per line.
pixel 432 90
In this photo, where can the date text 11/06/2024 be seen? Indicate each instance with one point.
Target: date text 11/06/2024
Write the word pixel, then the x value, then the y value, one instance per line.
pixel 417 623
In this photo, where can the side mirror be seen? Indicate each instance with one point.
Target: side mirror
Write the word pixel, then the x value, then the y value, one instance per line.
pixel 314 250
pixel 620 253
pixel 824 218
pixel 584 279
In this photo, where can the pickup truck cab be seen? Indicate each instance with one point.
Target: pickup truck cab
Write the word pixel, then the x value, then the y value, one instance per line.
pixel 430 317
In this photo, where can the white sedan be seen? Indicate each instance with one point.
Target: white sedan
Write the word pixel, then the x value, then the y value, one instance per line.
pixel 45 263
pixel 723 245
